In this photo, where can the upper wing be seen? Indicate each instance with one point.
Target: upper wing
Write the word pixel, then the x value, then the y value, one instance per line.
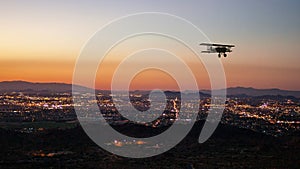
pixel 215 44
pixel 222 45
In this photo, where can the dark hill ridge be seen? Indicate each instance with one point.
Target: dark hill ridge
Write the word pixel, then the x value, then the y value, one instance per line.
pixel 23 86
pixel 229 147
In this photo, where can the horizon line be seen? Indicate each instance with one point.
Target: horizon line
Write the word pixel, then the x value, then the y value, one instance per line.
pixel 246 87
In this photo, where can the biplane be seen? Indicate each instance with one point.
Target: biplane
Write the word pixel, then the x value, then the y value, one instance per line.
pixel 221 49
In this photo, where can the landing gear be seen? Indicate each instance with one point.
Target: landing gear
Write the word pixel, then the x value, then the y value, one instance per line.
pixel 225 55
pixel 219 55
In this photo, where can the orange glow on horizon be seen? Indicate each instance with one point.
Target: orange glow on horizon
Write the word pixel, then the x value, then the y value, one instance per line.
pixel 37 70
pixel 55 71
pixel 153 79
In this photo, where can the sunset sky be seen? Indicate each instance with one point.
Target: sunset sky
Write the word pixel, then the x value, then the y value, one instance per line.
pixel 40 40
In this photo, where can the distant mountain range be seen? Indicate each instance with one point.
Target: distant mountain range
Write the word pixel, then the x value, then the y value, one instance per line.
pixel 249 91
pixel 28 87
pixel 23 86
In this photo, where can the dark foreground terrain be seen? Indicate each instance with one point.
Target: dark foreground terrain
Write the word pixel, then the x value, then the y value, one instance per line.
pixel 229 147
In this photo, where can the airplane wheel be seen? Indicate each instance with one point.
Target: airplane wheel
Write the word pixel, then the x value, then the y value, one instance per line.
pixel 219 55
pixel 225 55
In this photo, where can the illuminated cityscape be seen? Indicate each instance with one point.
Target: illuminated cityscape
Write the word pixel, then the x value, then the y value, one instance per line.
pixel 271 115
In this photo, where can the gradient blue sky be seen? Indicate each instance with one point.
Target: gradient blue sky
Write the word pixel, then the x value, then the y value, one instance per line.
pixel 40 40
